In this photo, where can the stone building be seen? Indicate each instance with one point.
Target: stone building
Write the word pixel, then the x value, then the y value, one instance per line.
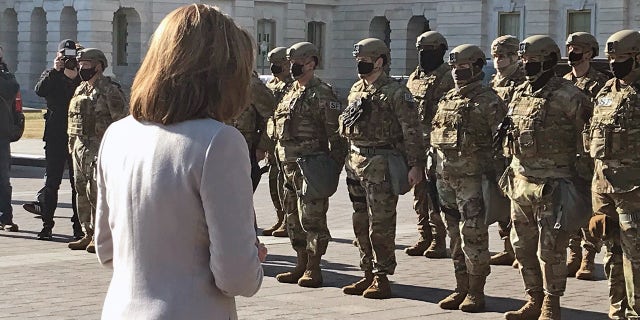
pixel 30 30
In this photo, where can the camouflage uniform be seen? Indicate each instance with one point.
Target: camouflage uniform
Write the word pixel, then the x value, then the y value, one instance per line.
pixel 505 85
pixel 427 89
pixel 91 110
pixel 252 123
pixel 306 122
pixel 276 179
pixel 614 142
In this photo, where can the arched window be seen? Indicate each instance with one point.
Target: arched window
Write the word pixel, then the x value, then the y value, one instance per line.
pixel 380 28
pixel 9 38
pixel 315 35
pixel 38 39
pixel 417 25
pixel 69 24
pixel 266 37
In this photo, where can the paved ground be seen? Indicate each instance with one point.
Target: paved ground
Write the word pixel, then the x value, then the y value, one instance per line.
pixel 45 280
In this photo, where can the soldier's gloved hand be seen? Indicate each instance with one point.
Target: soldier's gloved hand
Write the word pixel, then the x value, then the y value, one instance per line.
pixel 602 226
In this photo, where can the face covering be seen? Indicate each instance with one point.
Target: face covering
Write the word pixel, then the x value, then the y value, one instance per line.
pixel 296 70
pixel 621 69
pixel 574 58
pixel 71 64
pixel 365 68
pixel 87 74
pixel 532 70
pixel 430 59
pixel 461 76
pixel 276 69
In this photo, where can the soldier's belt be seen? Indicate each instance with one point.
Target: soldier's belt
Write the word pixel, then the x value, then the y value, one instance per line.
pixel 629 217
pixel 384 149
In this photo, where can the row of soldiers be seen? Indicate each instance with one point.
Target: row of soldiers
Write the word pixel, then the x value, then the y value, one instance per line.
pixel 537 137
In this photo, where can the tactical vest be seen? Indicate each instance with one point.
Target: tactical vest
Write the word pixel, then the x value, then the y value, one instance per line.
pixel 423 87
pixel 614 133
pixel 246 124
pixel 377 125
pixel 452 131
pixel 537 133
pixel 295 118
pixel 82 116
pixel 279 89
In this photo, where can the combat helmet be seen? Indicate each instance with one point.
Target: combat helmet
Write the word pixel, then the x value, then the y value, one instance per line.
pixel 467 53
pixel 93 54
pixel 302 50
pixel 372 47
pixel 278 55
pixel 541 47
pixel 431 40
pixel 623 42
pixel 585 40
pixel 505 45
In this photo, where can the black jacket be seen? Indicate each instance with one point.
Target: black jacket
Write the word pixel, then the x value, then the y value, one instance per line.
pixel 8 90
pixel 57 89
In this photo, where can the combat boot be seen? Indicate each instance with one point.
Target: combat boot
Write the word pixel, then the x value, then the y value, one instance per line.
pixel 419 248
pixel 77 231
pixel 312 276
pixel 80 244
pixel 438 247
pixel 574 259
pixel 453 301
pixel 45 234
pixel 379 288
pixel 359 287
pixel 550 308
pixel 504 258
pixel 295 274
pixel 11 227
pixel 587 266
pixel 91 248
pixel 269 231
pixel 474 301
pixel 281 232
pixel 530 310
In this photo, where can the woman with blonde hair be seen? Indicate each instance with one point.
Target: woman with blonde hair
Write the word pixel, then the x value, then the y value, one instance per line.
pixel 175 210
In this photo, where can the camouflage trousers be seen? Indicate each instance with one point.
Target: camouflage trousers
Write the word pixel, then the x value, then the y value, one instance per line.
pixel 374 211
pixel 582 238
pixel 625 207
pixel 428 216
pixel 276 185
pixel 463 206
pixel 306 220
pixel 84 155
pixel 540 249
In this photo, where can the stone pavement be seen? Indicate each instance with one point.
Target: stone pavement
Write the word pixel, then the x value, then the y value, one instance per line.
pixel 45 280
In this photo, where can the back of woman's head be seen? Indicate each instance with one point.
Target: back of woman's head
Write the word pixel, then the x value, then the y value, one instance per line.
pixel 198 65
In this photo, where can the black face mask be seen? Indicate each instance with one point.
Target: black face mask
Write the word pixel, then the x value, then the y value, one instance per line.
pixel 365 68
pixel 276 69
pixel 575 57
pixel 621 69
pixel 532 69
pixel 87 74
pixel 430 59
pixel 296 70
pixel 71 64
pixel 462 76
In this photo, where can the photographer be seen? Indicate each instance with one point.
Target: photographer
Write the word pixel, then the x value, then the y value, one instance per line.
pixel 57 86
pixel 8 90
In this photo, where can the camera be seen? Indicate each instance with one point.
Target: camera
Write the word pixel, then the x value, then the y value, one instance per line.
pixel 69 58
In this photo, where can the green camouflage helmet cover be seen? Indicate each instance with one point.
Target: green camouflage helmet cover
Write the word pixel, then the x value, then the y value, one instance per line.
pixel 302 50
pixel 277 55
pixel 93 54
pixel 539 46
pixel 373 48
pixel 585 40
pixel 431 40
pixel 623 42
pixel 467 53
pixel 506 45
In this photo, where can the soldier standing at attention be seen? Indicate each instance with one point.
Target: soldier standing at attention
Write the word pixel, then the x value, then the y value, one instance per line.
pixel 381 125
pixel 581 49
pixel 279 85
pixel 307 128
pixel 461 134
pixel 614 143
pixel 547 116
pixel 509 75
pixel 97 103
pixel 428 83
pixel 252 123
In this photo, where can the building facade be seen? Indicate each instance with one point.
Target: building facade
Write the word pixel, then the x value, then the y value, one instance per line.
pixel 30 30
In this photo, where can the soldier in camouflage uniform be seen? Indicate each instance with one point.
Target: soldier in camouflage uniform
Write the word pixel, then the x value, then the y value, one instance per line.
pixel 509 75
pixel 306 124
pixel 428 83
pixel 252 123
pixel 547 116
pixel 614 143
pixel 279 85
pixel 97 102
pixel 380 123
pixel 461 134
pixel 581 48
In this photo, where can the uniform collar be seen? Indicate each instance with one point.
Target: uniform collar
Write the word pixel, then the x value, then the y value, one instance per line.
pixel 469 88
